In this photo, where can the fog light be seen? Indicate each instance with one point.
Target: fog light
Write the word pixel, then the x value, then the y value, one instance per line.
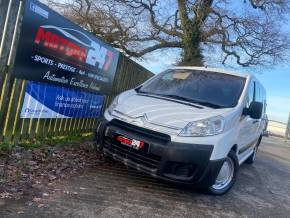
pixel 175 169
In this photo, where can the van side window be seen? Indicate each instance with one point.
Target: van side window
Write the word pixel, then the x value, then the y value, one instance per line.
pixel 251 93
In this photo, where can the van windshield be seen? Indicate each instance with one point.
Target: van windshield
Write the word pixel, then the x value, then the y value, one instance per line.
pixel 216 90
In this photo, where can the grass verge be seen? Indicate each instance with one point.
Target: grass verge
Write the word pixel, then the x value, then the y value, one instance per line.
pixel 52 141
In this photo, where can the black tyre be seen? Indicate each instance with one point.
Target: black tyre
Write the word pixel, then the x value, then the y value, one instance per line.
pixel 252 158
pixel 98 136
pixel 226 177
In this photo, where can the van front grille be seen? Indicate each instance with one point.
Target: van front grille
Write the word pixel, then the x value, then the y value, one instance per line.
pixel 141 131
pixel 149 160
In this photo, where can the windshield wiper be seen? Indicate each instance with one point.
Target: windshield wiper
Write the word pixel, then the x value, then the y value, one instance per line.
pixel 203 103
pixel 178 97
pixel 142 92
pixel 208 104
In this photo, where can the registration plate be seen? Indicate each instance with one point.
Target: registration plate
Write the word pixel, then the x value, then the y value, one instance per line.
pixel 132 143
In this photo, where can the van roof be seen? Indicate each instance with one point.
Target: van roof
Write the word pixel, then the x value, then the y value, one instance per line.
pixel 218 70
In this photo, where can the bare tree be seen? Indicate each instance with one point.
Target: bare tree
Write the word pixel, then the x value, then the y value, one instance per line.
pixel 247 31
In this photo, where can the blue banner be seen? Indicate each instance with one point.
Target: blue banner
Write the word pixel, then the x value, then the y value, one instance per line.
pixel 48 101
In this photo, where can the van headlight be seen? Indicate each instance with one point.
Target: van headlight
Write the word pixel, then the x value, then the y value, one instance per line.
pixel 113 105
pixel 206 127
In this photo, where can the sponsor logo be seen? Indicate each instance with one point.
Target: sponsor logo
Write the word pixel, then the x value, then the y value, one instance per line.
pixel 35 111
pixel 67 43
pixel 38 10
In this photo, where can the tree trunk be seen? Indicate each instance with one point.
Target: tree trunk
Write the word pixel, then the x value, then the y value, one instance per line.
pixel 192 53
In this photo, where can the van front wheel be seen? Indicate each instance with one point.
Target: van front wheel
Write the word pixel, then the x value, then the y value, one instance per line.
pixel 226 177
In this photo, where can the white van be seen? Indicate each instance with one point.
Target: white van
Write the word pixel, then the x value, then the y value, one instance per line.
pixel 188 125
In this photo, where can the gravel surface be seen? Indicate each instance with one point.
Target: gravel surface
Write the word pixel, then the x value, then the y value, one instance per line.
pixel 112 190
pixel 30 173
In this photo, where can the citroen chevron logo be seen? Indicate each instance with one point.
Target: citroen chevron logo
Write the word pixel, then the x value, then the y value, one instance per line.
pixel 140 119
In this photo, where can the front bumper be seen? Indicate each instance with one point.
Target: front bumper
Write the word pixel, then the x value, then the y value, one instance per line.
pixel 171 161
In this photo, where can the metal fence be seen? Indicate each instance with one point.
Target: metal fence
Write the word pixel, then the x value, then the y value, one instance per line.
pixel 12 127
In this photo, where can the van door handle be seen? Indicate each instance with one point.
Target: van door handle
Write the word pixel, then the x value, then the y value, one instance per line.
pixel 255 121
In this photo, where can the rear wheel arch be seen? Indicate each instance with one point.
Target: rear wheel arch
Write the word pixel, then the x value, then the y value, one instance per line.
pixel 234 149
pixel 251 159
pixel 259 140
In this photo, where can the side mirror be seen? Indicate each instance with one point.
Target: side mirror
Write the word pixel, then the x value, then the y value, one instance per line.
pixel 255 110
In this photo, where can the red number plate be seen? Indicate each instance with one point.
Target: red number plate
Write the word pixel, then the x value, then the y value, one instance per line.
pixel 133 143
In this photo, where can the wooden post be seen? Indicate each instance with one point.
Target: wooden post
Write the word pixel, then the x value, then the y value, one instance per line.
pixel 11 12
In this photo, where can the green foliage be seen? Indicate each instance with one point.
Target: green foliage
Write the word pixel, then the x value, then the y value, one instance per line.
pixel 53 141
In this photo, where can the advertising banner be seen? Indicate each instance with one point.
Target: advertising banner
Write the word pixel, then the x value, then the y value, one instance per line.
pixel 54 50
pixel 49 101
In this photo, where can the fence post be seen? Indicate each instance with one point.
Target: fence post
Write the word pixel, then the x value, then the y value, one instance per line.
pixel 287 134
pixel 11 17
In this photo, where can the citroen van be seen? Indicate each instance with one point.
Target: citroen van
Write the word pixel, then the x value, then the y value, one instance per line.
pixel 187 125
